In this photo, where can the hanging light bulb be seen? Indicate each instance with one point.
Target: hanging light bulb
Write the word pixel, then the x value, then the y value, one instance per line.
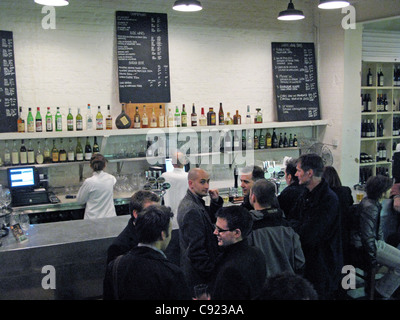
pixel 187 5
pixel 291 13
pixel 56 3
pixel 333 4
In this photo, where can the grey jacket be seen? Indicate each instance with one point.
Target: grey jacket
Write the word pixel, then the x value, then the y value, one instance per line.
pixel 278 241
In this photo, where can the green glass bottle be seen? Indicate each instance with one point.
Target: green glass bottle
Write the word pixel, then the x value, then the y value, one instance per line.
pixel 38 121
pixel 70 121
pixel 184 117
pixel 49 120
pixel 30 122
pixel 79 121
pixel 79 151
pixel 177 117
pixel 58 119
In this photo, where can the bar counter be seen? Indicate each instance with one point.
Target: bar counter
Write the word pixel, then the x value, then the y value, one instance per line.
pixel 77 250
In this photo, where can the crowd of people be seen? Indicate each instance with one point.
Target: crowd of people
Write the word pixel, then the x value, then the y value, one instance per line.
pixel 268 248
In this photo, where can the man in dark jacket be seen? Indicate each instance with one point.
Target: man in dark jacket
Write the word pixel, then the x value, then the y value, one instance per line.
pixel 144 273
pixel 249 175
pixel 199 248
pixel 240 271
pixel 318 224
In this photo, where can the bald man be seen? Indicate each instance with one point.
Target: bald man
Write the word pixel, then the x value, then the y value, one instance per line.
pixel 199 247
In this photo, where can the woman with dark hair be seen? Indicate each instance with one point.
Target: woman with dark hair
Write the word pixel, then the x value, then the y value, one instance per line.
pixel 369 237
pixel 97 191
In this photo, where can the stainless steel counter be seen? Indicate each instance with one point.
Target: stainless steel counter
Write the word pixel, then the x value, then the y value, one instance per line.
pixel 76 249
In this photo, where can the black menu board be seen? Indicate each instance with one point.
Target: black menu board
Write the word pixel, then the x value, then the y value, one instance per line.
pixel 8 84
pixel 295 81
pixel 143 60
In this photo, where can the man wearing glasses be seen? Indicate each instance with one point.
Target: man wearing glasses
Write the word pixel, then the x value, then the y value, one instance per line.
pixel 241 269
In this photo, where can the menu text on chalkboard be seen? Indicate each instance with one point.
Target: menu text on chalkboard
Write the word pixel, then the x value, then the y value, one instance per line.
pixel 143 59
pixel 8 84
pixel 295 81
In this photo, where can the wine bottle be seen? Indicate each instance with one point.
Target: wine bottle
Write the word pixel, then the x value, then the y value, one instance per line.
pixel 202 119
pixel 39 154
pixel 261 141
pixel 381 78
pixel 71 151
pixel 145 118
pixel 30 123
pixel 79 121
pixel 280 143
pixel 38 121
pixel 184 117
pixel 88 150
pixel 153 119
pixel 161 118
pixel 79 150
pixel 268 140
pixel 23 156
pixel 14 154
pixel 70 121
pixel 243 139
pixel 193 116
pixel 237 118
pixel 256 140
pixel 31 153
pixel 177 117
pixel 221 118
pixel 137 123
pixel 99 119
pixel 170 118
pixel 46 152
pixel 275 143
pixel 108 119
pixel 295 144
pixel 285 141
pixel 49 120
pixel 89 119
pixel 123 121
pixel 54 152
pixel 58 119
pixel 7 155
pixel 96 148
pixel 290 141
pixel 62 153
pixel 369 78
pixel 20 121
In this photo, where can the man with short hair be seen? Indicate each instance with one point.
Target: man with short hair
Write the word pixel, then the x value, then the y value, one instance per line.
pixel 145 273
pixel 199 248
pixel 127 239
pixel 318 224
pixel 240 272
pixel 249 175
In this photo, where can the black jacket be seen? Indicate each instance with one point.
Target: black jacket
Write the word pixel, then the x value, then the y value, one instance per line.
pixel 145 274
pixel 288 197
pixel 319 228
pixel 240 273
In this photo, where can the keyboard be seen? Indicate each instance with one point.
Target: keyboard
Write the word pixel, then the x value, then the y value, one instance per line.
pixel 29 198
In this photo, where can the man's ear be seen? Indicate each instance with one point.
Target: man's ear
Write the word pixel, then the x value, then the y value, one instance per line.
pixel 134 214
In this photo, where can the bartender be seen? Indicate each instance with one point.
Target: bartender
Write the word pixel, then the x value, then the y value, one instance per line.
pixel 97 191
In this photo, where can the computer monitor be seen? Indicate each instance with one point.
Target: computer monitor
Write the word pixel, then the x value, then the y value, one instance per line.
pixel 22 178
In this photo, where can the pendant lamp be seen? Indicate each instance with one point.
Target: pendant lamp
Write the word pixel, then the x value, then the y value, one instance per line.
pixel 333 4
pixel 56 3
pixel 187 5
pixel 291 13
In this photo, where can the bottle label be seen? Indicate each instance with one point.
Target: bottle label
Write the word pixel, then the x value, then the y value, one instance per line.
pixel 108 124
pixel 39 158
pixel 63 156
pixel 15 157
pixel 88 156
pixel 49 124
pixel 79 157
pixel 70 124
pixel 184 120
pixel 31 126
pixel 71 156
pixel 54 156
pixel 31 157
pixel 59 124
pixel 145 121
pixel 99 124
pixel 39 126
pixel 136 124
pixel 161 121
pixel 79 125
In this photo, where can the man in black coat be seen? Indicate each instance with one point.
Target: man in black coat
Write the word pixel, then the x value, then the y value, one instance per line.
pixel 144 273
pixel 240 271
pixel 317 215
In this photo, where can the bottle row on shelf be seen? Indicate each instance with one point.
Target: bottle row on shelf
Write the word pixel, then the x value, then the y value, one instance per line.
pixel 368 129
pixel 382 103
pixel 380 77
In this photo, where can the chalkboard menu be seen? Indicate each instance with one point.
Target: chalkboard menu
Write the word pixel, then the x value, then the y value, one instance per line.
pixel 8 84
pixel 295 81
pixel 143 60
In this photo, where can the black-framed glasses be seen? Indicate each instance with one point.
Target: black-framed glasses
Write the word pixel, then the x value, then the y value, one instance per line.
pixel 219 230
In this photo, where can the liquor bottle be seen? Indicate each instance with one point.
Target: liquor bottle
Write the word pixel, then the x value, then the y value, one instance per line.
pixel 153 119
pixel 15 154
pixel 381 78
pixel 275 142
pixel 96 148
pixel 46 152
pixel 193 117
pixel 79 121
pixel 79 150
pixel 108 119
pixel 99 119
pixel 31 153
pixel 258 118
pixel 137 123
pixel 211 117
pixel 89 119
pixel 62 154
pixel 177 117
pixel 280 141
pixel 170 118
pixel 236 141
pixel 184 117
pixel 71 151
pixel 243 139
pixel 38 121
pixel 30 123
pixel 58 118
pixel 248 115
pixel 256 140
pixel 237 118
pixel 268 140
pixel 39 154
pixel 23 156
pixel 262 141
pixel 295 144
pixel 369 78
pixel 70 121
pixel 202 119
pixel 145 118
pixel 221 119
pixel 54 152
pixel 228 119
pixel 250 140
pixel 123 121
pixel 7 155
pixel 49 120
pixel 285 141
pixel 161 118
pixel 227 146
pixel 290 141
pixel 20 121
pixel 88 150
